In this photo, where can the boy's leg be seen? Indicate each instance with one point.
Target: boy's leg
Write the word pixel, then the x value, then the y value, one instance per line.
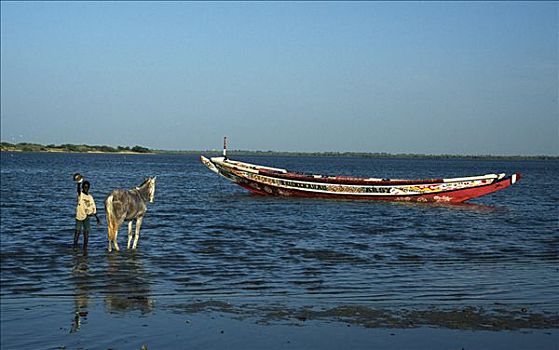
pixel 86 229
pixel 85 240
pixel 77 233
pixel 76 238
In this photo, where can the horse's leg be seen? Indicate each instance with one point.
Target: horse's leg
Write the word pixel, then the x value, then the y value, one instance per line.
pixel 111 239
pixel 110 231
pixel 110 219
pixel 113 229
pixel 129 234
pixel 137 236
pixel 115 240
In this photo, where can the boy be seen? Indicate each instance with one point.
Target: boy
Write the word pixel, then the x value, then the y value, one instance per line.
pixel 86 207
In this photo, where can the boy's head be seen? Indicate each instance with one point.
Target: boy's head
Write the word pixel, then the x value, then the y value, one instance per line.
pixel 85 187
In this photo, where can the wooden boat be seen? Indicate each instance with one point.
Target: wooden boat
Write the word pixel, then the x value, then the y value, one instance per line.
pixel 265 180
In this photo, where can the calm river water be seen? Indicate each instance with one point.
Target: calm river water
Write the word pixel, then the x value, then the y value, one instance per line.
pixel 208 248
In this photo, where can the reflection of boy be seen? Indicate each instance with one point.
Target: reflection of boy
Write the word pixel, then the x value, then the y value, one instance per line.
pixel 85 208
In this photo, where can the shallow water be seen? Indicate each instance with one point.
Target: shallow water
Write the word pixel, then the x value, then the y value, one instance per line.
pixel 207 245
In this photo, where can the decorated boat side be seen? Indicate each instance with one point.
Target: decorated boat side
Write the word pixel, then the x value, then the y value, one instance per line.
pixel 264 180
pixel 271 181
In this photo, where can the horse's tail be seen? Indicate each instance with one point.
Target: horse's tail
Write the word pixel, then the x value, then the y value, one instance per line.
pixel 111 220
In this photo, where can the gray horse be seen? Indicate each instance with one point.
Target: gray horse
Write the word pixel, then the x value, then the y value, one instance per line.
pixel 122 205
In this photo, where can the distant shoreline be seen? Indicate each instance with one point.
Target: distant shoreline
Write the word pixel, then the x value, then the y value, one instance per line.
pixel 71 148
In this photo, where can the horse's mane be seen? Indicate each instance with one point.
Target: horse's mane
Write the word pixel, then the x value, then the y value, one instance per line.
pixel 143 183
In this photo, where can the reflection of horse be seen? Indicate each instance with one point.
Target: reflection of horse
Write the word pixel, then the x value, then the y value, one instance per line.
pixel 122 205
pixel 127 286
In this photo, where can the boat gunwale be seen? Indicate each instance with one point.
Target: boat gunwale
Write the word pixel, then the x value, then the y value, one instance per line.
pixel 347 180
pixel 366 194
pixel 342 180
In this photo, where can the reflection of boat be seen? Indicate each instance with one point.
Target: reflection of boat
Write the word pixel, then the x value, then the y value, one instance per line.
pixel 280 182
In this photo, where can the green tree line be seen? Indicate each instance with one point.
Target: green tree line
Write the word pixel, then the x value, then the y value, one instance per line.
pixel 35 147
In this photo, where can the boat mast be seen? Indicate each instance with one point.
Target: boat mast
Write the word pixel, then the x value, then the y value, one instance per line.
pixel 225 147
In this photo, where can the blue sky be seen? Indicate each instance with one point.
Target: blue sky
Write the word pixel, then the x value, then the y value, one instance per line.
pixel 413 77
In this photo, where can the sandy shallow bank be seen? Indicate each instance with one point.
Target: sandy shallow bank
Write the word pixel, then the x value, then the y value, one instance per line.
pixel 54 323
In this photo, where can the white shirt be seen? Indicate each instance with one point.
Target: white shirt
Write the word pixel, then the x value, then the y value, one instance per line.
pixel 86 206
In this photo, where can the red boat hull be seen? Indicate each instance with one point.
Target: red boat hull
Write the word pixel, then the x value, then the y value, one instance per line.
pixel 457 196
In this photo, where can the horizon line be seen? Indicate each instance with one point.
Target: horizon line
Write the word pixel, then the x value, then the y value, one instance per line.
pixel 37 147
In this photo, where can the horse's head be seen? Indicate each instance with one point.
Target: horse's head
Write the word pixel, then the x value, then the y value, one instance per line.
pixel 147 189
pixel 151 188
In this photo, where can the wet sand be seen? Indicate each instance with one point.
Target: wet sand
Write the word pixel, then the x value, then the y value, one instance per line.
pixel 61 323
